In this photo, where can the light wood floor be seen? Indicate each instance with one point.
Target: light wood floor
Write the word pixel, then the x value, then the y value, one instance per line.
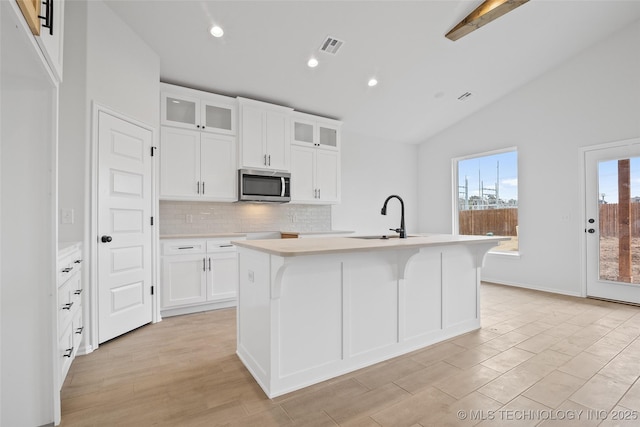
pixel 539 359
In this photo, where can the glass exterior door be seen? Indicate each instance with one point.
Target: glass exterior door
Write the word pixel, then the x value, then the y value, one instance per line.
pixel 612 227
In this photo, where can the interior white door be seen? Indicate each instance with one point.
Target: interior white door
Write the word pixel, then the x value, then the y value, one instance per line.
pixel 124 227
pixel 612 226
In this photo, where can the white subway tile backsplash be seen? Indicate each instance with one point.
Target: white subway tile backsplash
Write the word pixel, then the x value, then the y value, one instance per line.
pixel 209 217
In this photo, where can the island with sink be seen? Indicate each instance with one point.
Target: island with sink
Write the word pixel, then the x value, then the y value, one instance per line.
pixel 313 309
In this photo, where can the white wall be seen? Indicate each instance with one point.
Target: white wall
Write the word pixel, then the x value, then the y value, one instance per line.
pixel 27 248
pixel 106 63
pixel 372 170
pixel 592 98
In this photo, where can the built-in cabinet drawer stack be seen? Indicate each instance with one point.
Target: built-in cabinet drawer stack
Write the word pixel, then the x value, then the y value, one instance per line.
pixel 69 306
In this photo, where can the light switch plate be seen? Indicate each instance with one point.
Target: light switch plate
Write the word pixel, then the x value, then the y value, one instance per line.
pixel 66 216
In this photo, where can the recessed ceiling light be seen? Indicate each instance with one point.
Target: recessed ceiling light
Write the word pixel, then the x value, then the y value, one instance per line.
pixel 372 82
pixel 216 31
pixel 312 63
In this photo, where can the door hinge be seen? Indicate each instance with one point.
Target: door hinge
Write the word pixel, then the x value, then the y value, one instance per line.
pixel 153 150
pixel 152 290
pixel 151 220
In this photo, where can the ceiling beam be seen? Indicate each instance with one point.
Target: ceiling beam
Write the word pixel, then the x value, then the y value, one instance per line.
pixel 482 15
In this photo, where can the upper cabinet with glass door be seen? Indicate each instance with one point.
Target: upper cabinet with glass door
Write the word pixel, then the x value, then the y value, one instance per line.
pixel 315 131
pixel 193 109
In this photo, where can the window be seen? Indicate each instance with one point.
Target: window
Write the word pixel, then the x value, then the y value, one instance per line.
pixel 487 197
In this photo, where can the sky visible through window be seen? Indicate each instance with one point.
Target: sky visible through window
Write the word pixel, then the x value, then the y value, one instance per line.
pixel 608 180
pixel 484 170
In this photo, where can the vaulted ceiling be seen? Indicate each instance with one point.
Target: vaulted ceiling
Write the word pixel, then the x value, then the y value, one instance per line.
pixel 266 45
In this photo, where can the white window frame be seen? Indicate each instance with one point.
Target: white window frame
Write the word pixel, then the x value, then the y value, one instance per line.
pixel 455 194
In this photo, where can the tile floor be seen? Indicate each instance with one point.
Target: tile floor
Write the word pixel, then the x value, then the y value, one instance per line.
pixel 539 359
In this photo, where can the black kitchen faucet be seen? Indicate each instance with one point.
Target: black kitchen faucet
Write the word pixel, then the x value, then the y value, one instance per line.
pixel 383 211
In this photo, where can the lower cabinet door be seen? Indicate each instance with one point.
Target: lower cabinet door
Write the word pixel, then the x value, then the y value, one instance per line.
pixel 184 280
pixel 222 278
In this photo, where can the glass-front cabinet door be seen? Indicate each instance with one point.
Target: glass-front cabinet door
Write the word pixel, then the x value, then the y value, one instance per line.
pixel 181 111
pixel 315 131
pixel 304 132
pixel 197 110
pixel 327 136
pixel 218 118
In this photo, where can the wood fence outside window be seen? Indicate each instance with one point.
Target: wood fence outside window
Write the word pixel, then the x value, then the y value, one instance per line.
pixel 500 222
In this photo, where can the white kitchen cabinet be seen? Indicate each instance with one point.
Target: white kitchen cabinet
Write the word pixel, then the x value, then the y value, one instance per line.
pixel 264 135
pixel 198 275
pixel 196 110
pixel 197 166
pixel 315 159
pixel 69 306
pixel 46 22
pixel 315 131
pixel 315 175
pixel 183 280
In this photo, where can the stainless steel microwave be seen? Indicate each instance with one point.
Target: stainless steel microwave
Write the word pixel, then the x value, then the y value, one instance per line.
pixel 264 186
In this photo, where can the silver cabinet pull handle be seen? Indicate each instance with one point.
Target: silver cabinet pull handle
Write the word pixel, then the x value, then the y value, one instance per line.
pixel 204 264
pixel 198 187
pixel 265 160
pixel 209 263
pixel 67 306
pixel 79 330
pixel 269 164
pixel 185 247
pixel 68 353
pixel 77 292
pixel 202 187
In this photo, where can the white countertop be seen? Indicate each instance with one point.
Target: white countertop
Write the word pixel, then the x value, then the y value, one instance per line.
pixel 67 247
pixel 202 236
pixel 317 233
pixel 329 245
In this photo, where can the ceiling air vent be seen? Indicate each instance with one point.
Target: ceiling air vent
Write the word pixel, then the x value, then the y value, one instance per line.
pixel 464 96
pixel 331 45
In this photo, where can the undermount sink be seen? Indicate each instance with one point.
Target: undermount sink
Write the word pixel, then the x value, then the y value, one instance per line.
pixel 379 237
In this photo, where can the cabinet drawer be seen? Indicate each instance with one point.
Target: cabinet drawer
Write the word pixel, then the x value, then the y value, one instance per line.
pixel 66 303
pixel 220 245
pixel 68 265
pixel 75 287
pixel 65 352
pixel 183 247
pixel 77 326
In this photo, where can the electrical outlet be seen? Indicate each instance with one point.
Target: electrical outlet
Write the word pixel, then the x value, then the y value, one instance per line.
pixel 189 219
pixel 251 276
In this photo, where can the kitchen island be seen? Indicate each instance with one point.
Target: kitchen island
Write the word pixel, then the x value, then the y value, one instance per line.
pixel 314 309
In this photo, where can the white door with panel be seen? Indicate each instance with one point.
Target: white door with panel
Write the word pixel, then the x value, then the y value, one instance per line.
pixel 612 223
pixel 125 239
